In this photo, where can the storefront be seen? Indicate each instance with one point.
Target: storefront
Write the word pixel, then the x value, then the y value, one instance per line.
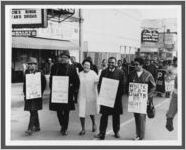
pixel 41 48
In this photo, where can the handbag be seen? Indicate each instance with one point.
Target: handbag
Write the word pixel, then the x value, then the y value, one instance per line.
pixel 150 110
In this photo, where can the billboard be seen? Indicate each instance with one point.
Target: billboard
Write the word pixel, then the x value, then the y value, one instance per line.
pixel 149 35
pixel 29 18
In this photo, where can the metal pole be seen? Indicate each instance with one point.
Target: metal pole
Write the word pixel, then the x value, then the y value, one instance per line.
pixel 80 35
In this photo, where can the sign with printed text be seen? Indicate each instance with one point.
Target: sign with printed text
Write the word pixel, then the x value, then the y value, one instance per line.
pixel 29 18
pixel 169 86
pixel 149 35
pixel 24 33
pixel 138 96
pixel 108 91
pixel 160 82
pixel 60 85
pixel 33 86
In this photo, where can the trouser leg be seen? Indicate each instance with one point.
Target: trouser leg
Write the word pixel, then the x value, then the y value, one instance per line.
pixel 140 120
pixel 60 117
pixel 65 119
pixel 37 124
pixel 136 116
pixel 33 115
pixel 116 123
pixel 103 124
pixel 142 125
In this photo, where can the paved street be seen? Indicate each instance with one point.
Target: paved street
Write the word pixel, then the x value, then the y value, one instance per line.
pixel 155 128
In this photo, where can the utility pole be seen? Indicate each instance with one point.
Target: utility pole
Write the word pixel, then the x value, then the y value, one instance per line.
pixel 80 35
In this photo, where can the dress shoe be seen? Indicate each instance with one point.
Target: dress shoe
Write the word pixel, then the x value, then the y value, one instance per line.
pixel 137 138
pixel 36 129
pixel 82 132
pixel 28 132
pixel 116 135
pixel 94 128
pixel 100 136
pixel 64 132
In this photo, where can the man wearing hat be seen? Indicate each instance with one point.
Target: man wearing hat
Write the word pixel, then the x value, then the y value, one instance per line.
pixel 63 68
pixel 33 104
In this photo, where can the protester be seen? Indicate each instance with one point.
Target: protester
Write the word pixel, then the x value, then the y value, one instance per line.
pixel 77 65
pixel 173 106
pixel 79 68
pixel 34 104
pixel 49 65
pixel 112 72
pixel 141 75
pixel 103 66
pixel 151 67
pixel 87 96
pixel 119 64
pixel 93 67
pixel 63 68
pixel 125 71
pixel 125 66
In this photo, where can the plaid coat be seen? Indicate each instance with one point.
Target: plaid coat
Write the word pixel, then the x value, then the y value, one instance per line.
pixel 117 74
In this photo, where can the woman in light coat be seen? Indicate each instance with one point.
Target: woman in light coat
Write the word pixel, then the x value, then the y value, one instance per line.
pixel 87 96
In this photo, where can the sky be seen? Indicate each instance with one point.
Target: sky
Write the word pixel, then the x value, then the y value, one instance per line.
pixel 108 29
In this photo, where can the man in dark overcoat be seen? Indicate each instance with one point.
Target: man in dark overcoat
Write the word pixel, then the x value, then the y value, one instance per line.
pixel 140 75
pixel 63 68
pixel 34 104
pixel 112 72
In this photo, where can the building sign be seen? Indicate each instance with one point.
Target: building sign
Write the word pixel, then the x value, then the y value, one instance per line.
pixel 148 35
pixel 29 18
pixel 160 82
pixel 24 33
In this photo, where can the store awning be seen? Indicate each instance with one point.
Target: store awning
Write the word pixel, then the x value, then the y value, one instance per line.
pixel 41 43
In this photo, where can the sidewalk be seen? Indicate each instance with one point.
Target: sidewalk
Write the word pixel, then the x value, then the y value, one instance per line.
pixel 155 128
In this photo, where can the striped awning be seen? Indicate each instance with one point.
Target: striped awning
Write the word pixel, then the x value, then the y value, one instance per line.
pixel 41 43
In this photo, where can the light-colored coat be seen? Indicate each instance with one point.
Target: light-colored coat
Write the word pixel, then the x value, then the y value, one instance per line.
pixel 88 94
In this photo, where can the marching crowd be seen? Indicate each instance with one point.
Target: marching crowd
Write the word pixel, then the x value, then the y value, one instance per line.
pixel 84 87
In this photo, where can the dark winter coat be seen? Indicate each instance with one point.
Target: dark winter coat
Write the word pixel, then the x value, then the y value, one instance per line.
pixel 146 78
pixel 65 70
pixel 33 104
pixel 117 74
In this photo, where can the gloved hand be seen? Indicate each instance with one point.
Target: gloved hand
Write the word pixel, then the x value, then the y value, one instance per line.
pixel 169 124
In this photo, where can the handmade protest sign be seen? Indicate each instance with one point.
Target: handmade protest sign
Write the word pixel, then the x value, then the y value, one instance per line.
pixel 169 86
pixel 33 86
pixel 60 85
pixel 138 95
pixel 108 91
